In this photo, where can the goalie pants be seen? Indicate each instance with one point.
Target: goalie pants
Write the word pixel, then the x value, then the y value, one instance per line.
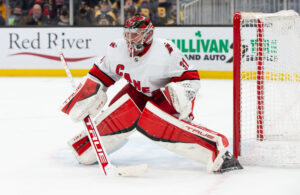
pixel 140 99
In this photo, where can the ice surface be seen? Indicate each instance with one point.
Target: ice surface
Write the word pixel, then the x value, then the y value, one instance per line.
pixel 35 159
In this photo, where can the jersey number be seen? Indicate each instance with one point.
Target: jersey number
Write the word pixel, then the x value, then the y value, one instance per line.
pixel 184 64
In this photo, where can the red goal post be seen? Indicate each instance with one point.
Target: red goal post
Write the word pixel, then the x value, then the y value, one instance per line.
pixel 267 88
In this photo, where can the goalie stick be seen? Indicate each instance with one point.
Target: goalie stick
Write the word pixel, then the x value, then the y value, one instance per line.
pixel 97 144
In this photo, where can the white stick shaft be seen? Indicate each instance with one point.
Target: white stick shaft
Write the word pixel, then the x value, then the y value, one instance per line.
pixel 67 69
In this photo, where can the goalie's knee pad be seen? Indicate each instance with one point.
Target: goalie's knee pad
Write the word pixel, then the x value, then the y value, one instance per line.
pixel 114 125
pixel 182 137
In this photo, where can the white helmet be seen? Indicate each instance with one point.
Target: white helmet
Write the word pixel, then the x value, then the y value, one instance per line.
pixel 138 33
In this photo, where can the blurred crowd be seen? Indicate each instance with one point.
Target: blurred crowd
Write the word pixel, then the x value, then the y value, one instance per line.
pixel 86 12
pixel 34 12
pixel 108 12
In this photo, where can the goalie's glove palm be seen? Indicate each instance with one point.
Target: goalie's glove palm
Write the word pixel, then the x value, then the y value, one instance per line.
pixel 176 95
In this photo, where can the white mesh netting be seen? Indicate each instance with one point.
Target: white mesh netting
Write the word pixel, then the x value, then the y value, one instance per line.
pixel 270 89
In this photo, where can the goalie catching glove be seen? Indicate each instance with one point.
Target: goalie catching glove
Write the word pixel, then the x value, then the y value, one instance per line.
pixel 88 99
pixel 180 96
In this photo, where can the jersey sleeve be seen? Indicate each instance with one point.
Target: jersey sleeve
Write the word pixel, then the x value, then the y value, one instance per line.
pixel 179 69
pixel 102 72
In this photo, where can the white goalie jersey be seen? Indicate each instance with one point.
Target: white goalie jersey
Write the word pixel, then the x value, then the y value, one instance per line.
pixel 158 100
pixel 160 64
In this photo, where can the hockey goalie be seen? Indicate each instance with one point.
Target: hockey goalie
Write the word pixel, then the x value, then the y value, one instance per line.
pixel 157 101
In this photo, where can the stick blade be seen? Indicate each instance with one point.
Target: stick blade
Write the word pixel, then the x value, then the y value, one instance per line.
pixel 131 171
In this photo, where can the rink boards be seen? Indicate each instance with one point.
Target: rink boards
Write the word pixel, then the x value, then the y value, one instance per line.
pixel 33 52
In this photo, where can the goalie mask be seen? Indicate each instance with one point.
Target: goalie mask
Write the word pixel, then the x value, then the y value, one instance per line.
pixel 138 33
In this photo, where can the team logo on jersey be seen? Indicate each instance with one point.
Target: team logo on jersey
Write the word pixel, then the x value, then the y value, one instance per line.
pixel 113 44
pixel 120 70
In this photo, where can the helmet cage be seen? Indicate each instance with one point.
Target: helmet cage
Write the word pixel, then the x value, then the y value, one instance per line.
pixel 138 33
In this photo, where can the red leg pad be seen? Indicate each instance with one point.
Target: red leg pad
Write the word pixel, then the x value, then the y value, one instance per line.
pixel 120 117
pixel 167 128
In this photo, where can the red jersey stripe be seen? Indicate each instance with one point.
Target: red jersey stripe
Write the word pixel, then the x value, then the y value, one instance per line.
pixel 187 75
pixel 104 78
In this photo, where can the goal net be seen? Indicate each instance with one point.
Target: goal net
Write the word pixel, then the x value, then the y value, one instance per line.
pixel 267 88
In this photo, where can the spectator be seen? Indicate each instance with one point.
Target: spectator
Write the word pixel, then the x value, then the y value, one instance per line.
pixel 172 19
pixel 82 19
pixel 129 9
pixel 64 18
pixel 90 12
pixel 2 21
pixel 51 7
pixel 41 3
pixel 14 3
pixel 90 3
pixel 2 10
pixel 59 5
pixel 148 9
pixel 95 11
pixel 15 18
pixel 128 4
pixel 25 5
pixel 116 4
pixel 105 15
pixel 163 9
pixel 104 20
pixel 37 18
pixel 138 2
pixel 116 8
pixel 145 8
